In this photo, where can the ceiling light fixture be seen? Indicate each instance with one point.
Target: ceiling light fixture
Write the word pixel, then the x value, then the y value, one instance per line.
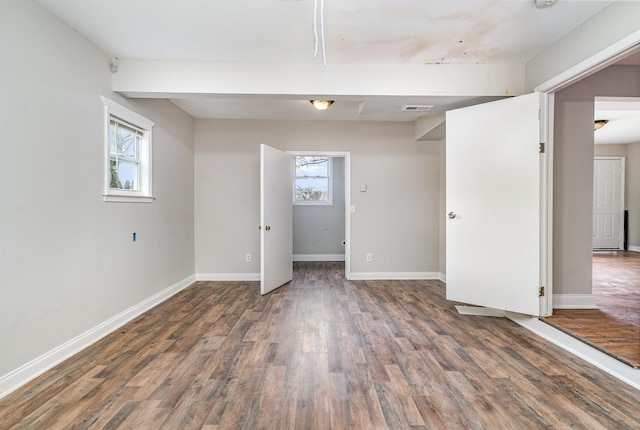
pixel 541 4
pixel 321 104
pixel 599 123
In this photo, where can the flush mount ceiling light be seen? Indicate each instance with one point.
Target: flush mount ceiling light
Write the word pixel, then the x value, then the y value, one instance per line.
pixel 599 123
pixel 321 104
pixel 540 4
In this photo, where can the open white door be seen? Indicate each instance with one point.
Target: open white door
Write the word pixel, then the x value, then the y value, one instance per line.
pixel 276 219
pixel 493 182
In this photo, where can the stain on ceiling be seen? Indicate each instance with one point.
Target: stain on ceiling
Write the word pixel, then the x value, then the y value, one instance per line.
pixel 356 31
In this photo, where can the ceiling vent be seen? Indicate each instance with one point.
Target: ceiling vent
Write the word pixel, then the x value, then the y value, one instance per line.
pixel 417 108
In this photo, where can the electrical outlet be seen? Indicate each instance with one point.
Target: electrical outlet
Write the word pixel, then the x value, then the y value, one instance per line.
pixel 369 257
pixel 247 258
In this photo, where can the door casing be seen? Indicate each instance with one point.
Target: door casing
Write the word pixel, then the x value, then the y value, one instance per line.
pixel 593 64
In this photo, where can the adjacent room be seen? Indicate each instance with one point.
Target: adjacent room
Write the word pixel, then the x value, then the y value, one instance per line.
pixel 313 214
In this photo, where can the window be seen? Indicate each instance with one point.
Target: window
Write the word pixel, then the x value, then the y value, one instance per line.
pixel 313 184
pixel 128 155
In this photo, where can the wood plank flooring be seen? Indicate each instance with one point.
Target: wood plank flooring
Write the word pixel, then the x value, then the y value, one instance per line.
pixel 321 353
pixel 614 327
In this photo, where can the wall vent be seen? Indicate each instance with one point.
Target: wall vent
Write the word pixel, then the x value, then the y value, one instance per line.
pixel 417 108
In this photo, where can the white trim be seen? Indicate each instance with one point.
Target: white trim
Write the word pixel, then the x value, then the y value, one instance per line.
pixel 591 65
pixel 145 192
pixel 127 114
pixel 128 199
pixel 232 277
pixel 318 257
pixel 633 248
pixel 25 373
pixel 480 311
pixel 547 106
pixel 591 355
pixel 574 301
pixel 384 276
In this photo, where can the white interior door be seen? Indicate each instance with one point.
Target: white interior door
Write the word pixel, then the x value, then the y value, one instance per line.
pixel 607 203
pixel 276 221
pixel 493 183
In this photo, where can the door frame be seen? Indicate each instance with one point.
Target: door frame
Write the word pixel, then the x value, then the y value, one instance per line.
pixel 347 199
pixel 587 67
pixel 622 177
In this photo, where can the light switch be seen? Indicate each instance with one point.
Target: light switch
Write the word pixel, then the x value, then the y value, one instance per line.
pixel 363 188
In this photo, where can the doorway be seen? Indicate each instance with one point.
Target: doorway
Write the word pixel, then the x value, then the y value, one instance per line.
pixel 321 229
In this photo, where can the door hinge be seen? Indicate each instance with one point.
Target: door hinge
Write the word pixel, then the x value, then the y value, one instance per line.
pixel 541 292
pixel 541 147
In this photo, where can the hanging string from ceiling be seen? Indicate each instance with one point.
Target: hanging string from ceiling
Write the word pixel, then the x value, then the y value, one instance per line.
pixel 315 31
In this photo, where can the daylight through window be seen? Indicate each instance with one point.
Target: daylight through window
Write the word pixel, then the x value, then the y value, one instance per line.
pixel 124 156
pixel 128 155
pixel 312 182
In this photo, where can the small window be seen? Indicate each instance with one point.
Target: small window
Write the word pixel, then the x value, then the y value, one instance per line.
pixel 128 155
pixel 313 184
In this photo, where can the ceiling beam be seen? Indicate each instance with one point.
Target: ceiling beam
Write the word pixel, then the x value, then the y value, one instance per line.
pixel 184 79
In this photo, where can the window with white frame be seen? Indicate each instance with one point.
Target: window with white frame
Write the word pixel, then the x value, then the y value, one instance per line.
pixel 128 154
pixel 313 184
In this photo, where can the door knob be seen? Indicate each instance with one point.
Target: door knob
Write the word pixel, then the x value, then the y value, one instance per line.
pixel 268 227
pixel 451 215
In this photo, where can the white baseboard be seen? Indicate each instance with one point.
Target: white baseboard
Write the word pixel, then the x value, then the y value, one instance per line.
pixel 633 248
pixel 318 257
pixel 379 276
pixel 599 359
pixel 480 311
pixel 25 373
pixel 227 277
pixel 574 301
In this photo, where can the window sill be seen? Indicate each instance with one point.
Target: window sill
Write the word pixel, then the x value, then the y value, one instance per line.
pixel 312 203
pixel 128 198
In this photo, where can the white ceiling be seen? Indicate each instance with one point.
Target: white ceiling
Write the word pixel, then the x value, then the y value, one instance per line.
pixel 356 31
pixel 623 114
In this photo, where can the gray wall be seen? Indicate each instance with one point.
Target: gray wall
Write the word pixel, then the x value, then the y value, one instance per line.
pixel 397 219
pixel 573 173
pixel 67 261
pixel 319 229
pixel 632 192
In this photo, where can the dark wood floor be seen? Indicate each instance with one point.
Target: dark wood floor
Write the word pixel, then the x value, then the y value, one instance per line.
pixel 322 353
pixel 615 326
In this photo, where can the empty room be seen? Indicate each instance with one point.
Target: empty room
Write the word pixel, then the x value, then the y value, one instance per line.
pixel 309 214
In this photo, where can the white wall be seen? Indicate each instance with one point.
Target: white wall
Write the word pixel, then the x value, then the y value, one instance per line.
pixel 67 260
pixel 396 219
pixel 320 229
pixel 573 173
pixel 612 25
